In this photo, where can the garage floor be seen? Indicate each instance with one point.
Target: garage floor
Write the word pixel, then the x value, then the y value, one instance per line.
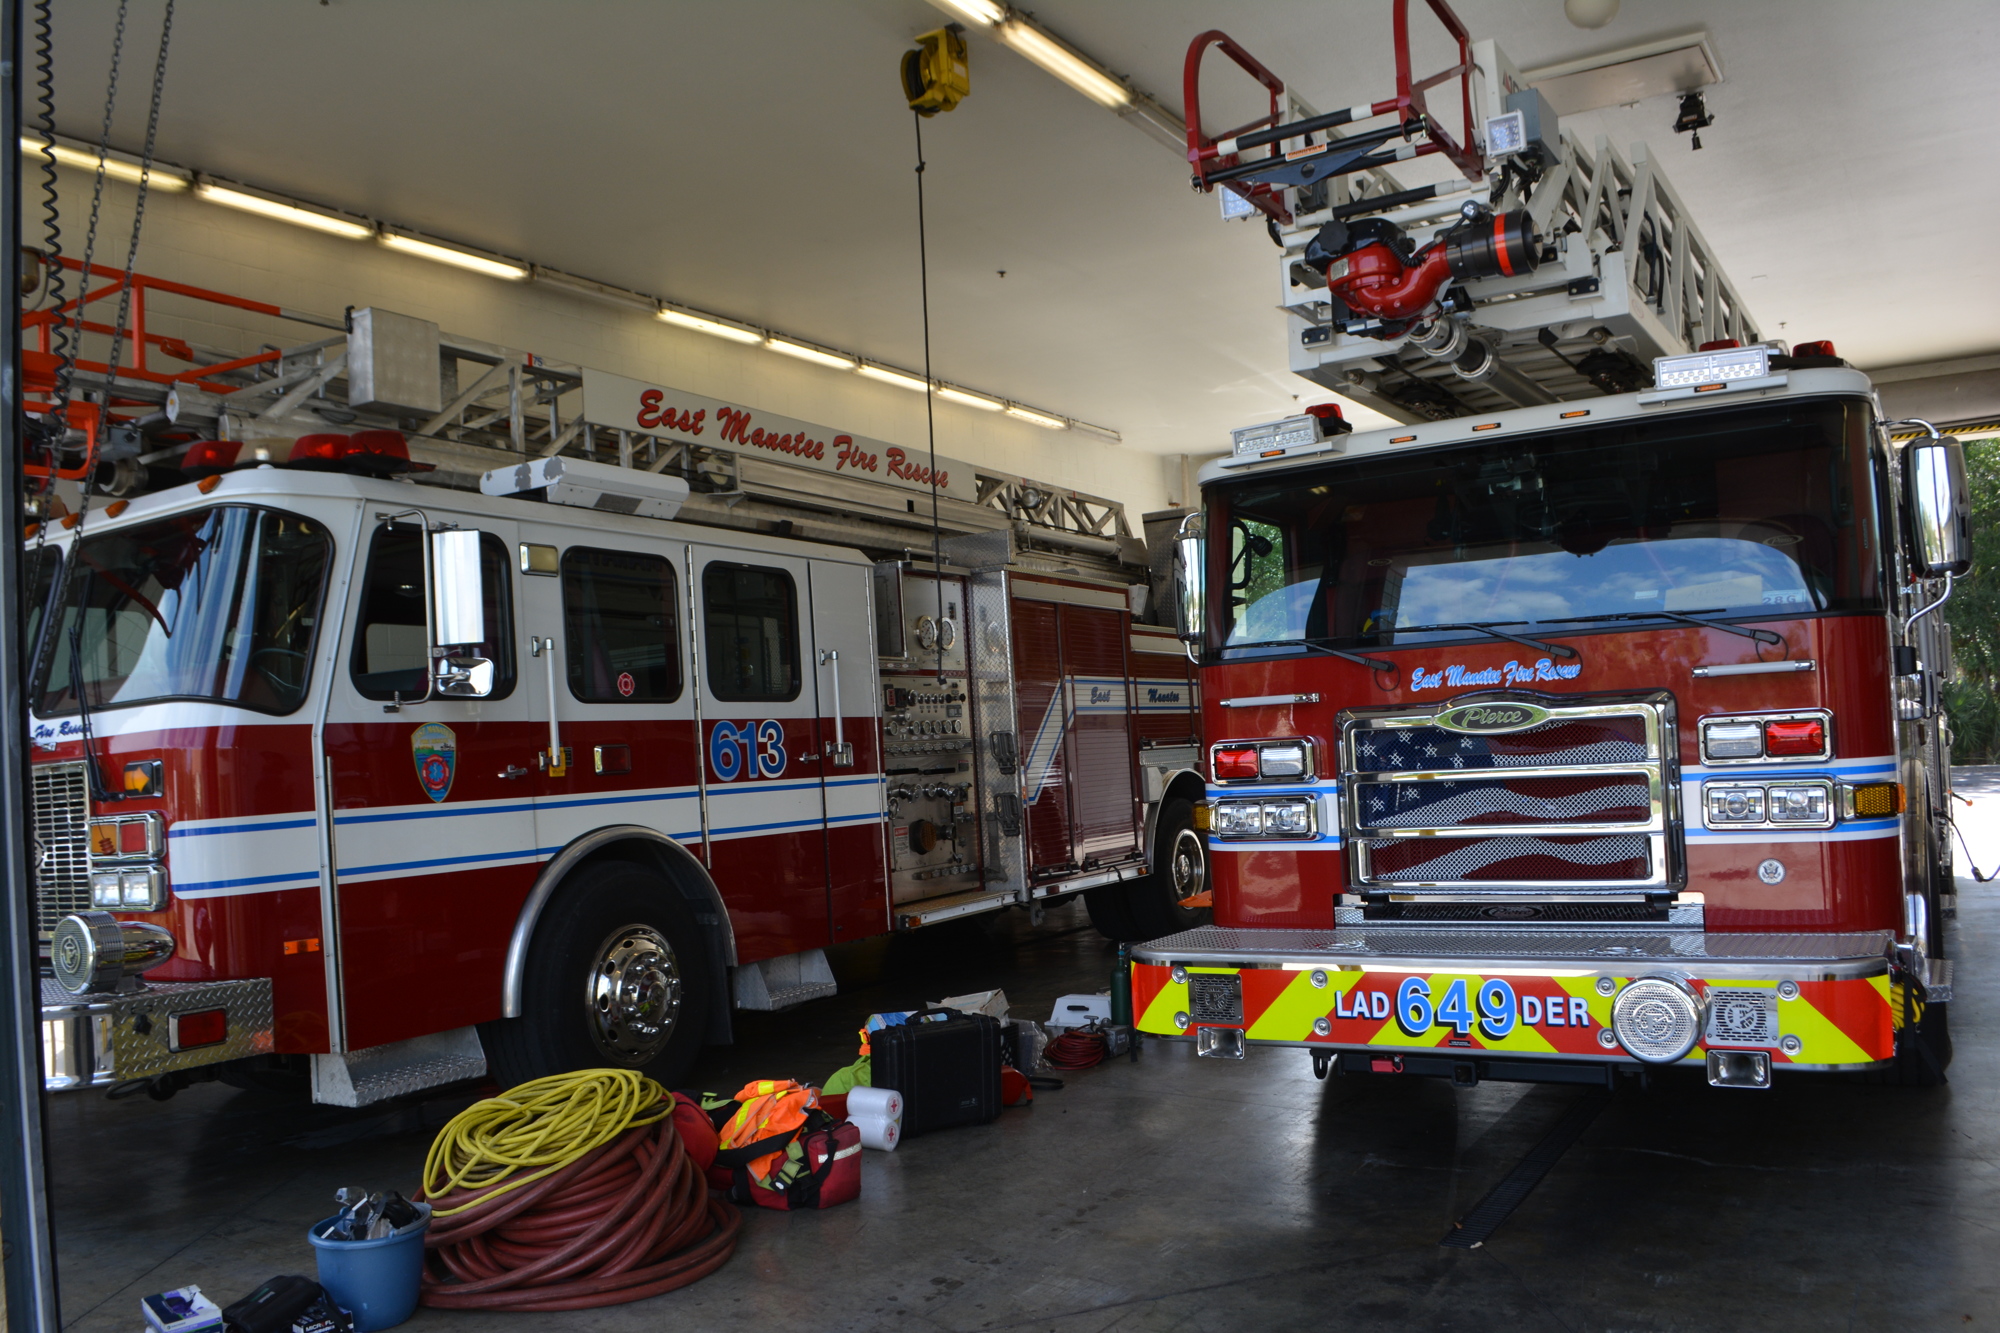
pixel 1180 1194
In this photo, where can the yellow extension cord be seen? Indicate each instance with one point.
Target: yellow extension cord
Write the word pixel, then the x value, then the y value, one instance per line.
pixel 537 1129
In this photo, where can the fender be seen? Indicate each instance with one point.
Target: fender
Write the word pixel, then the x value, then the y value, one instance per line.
pixel 670 852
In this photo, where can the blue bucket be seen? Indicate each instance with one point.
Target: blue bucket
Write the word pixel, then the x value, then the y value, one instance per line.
pixel 376 1280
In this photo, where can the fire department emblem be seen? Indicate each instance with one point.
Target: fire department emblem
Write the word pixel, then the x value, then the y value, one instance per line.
pixel 435 747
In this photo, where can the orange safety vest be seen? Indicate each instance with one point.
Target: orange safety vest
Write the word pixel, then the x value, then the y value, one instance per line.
pixel 769 1107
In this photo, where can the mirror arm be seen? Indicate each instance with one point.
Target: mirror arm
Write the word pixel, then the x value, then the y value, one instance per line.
pixel 430 611
pixel 1943 597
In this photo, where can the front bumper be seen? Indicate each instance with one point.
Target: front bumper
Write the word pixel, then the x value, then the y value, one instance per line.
pixel 91 1041
pixel 1811 1001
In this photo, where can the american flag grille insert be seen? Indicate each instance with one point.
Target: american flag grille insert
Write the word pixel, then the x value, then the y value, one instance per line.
pixel 1215 999
pixel 61 830
pixel 1576 802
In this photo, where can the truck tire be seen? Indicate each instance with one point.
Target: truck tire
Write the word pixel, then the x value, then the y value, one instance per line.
pixel 1147 908
pixel 617 976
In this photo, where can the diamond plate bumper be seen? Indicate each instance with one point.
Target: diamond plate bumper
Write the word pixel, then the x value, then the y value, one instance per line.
pixel 94 1040
pixel 1812 1001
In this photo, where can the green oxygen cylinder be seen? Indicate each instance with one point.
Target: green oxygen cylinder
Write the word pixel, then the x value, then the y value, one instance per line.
pixel 1121 989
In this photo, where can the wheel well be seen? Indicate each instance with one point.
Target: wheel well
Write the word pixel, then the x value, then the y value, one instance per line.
pixel 1185 785
pixel 675 864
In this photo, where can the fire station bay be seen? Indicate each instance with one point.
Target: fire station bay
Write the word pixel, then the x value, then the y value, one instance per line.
pixel 848 665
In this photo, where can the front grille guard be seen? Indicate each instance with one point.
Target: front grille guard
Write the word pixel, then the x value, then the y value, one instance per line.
pixel 1655 768
pixel 60 825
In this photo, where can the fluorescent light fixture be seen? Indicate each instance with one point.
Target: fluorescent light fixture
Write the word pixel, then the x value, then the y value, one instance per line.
pixel 330 223
pixel 448 254
pixel 812 354
pixel 964 399
pixel 895 377
pixel 1064 63
pixel 713 327
pixel 1042 419
pixel 978 11
pixel 117 168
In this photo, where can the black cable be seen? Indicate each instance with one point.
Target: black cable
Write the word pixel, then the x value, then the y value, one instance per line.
pixel 1966 847
pixel 930 408
pixel 54 425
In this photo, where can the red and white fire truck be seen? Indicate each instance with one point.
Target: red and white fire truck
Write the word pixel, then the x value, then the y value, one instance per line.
pixel 1590 721
pixel 396 728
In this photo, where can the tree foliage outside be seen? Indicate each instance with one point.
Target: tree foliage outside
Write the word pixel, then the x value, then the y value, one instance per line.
pixel 1973 697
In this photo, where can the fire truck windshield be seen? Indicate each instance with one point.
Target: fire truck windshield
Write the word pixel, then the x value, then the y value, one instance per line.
pixel 1758 513
pixel 215 604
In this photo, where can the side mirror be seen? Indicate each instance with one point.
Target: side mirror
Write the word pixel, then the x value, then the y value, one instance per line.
pixel 464 677
pixel 1940 507
pixel 458 616
pixel 458 597
pixel 1190 547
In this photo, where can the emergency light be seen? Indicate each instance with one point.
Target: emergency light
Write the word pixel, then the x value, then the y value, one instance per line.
pixel 1719 366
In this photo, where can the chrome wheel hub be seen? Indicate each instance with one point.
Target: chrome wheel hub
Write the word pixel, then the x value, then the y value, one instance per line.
pixel 634 995
pixel 1187 865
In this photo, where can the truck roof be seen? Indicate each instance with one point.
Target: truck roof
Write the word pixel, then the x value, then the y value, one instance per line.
pixel 277 486
pixel 1818 383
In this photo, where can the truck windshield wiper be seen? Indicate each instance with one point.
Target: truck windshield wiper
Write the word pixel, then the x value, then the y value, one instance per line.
pixel 1685 617
pixel 1376 663
pixel 1487 627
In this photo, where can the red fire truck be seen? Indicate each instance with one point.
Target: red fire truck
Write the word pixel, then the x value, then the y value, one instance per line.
pixel 1590 721
pixel 555 753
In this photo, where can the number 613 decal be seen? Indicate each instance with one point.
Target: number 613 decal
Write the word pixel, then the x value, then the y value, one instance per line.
pixel 755 749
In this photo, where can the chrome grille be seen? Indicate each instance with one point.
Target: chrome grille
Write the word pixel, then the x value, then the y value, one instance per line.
pixel 1580 801
pixel 61 817
pixel 1215 999
pixel 1743 1017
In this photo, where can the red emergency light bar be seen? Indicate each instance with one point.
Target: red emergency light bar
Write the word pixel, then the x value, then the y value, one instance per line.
pixel 375 453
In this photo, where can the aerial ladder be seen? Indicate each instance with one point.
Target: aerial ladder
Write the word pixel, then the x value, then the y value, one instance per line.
pixel 1541 270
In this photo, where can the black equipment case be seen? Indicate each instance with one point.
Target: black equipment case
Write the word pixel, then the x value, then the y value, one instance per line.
pixel 947 1070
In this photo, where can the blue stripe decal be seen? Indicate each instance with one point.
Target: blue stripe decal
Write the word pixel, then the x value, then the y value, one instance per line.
pixel 238 828
pixel 305 878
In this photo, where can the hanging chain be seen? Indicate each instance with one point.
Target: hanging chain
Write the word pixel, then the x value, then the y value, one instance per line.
pixel 53 425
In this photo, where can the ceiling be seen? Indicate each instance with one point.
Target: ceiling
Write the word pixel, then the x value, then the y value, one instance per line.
pixel 754 158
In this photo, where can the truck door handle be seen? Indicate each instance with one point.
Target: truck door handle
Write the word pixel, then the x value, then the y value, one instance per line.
pixel 513 771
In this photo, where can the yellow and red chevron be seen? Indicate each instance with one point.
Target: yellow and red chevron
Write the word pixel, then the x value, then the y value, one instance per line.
pixel 1836 1023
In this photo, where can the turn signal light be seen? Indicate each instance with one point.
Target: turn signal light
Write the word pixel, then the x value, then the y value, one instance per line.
pixel 1803 737
pixel 1874 800
pixel 1234 764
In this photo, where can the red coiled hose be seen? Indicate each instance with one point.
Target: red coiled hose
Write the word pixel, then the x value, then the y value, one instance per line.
pixel 626 1221
pixel 1077 1048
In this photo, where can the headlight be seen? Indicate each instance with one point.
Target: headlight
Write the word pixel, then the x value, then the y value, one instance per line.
pixel 1287 819
pixel 129 890
pixel 1803 804
pixel 1238 819
pixel 1732 740
pixel 1287 760
pixel 1734 805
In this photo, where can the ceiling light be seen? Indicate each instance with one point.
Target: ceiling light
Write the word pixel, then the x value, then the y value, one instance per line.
pixel 117 168
pixel 979 11
pixel 1042 419
pixel 331 223
pixel 812 354
pixel 714 327
pixel 1629 74
pixel 446 254
pixel 1064 63
pixel 895 377
pixel 964 399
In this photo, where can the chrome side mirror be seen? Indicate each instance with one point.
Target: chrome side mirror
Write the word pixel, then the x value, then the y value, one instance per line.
pixel 1190 547
pixel 458 597
pixel 464 677
pixel 1940 506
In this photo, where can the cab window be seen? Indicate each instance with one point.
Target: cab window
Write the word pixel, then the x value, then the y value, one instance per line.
pixel 751 626
pixel 390 635
pixel 619 622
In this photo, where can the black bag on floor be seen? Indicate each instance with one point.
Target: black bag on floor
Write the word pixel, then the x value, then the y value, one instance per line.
pixel 948 1071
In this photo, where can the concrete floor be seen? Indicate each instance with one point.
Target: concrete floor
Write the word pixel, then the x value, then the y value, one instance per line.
pixel 1175 1194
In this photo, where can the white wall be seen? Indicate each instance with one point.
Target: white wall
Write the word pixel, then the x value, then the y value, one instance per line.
pixel 188 240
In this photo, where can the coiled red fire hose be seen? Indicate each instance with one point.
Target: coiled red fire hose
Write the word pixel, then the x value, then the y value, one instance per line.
pixel 629 1219
pixel 1075 1049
